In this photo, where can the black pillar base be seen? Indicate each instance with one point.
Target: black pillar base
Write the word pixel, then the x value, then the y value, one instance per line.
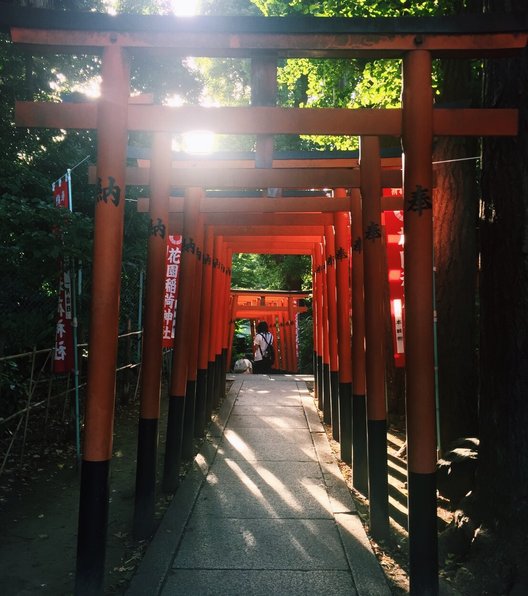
pixel 334 406
pixel 223 374
pixel 145 500
pixel 315 373
pixel 423 537
pixel 345 421
pixel 210 391
pixel 188 421
pixel 93 521
pixel 359 444
pixel 327 400
pixel 217 382
pixel 320 396
pixel 173 444
pixel 378 479
pixel 200 412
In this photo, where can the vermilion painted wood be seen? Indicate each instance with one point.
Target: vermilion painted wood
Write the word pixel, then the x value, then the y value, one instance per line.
pixel 184 312
pixel 224 299
pixel 329 234
pixel 216 294
pixel 156 272
pixel 292 319
pixel 325 315
pixel 104 321
pixel 374 280
pixel 264 93
pixel 358 304
pixel 197 292
pixel 107 251
pixel 419 336
pixel 343 263
pixel 233 178
pixel 292 248
pixel 144 502
pixel 260 120
pixel 280 207
pixel 374 259
pixel 286 37
pixel 207 300
pixel 257 231
pixel 245 220
pixel 318 297
pixel 421 448
pixel 276 239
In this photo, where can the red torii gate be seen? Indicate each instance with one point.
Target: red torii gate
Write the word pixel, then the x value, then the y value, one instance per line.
pixel 417 41
pixel 280 310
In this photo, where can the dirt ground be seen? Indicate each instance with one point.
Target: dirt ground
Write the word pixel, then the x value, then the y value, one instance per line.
pixel 38 517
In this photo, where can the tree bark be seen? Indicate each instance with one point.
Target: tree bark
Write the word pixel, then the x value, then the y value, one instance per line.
pixel 455 212
pixel 503 462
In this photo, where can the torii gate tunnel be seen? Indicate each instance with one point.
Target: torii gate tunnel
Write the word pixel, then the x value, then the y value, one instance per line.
pixel 335 230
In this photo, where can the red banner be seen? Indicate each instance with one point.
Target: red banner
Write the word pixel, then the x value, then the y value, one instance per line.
pixel 61 192
pixel 393 223
pixel 174 248
pixel 63 360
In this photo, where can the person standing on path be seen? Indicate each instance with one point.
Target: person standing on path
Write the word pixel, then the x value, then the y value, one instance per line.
pixel 263 350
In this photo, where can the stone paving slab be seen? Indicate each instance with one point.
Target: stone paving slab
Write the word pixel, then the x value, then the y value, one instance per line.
pixel 242 491
pixel 218 543
pixel 205 582
pixel 283 417
pixel 268 444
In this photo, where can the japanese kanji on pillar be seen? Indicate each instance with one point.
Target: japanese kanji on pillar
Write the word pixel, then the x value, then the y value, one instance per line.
pixel 174 248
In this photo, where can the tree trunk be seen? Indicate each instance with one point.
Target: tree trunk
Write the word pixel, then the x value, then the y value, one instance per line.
pixel 455 252
pixel 503 466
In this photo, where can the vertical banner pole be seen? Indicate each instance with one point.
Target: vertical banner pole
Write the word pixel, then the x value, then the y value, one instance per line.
pixel 106 281
pixel 419 339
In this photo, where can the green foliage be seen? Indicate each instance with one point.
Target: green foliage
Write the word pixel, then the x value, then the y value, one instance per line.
pixel 229 7
pixel 242 340
pixel 33 235
pixel 228 80
pixel 305 322
pixel 271 272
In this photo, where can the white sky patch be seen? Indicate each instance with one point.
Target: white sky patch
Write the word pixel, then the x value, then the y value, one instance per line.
pixel 198 142
pixel 185 8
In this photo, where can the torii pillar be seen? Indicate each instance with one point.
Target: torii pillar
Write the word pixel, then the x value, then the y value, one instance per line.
pixel 152 337
pixel 104 321
pixel 205 334
pixel 374 284
pixel 342 254
pixel 419 341
pixel 180 357
pixel 331 293
pixel 359 400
